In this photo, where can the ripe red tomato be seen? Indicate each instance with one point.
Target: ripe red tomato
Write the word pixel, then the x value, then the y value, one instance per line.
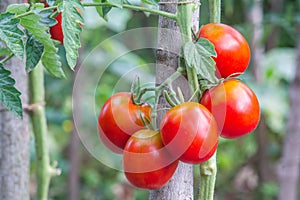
pixel 234 106
pixel 233 52
pixel 56 30
pixel 190 132
pixel 119 118
pixel 147 164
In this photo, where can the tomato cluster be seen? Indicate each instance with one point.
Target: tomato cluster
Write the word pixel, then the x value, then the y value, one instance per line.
pixel 188 131
pixel 233 104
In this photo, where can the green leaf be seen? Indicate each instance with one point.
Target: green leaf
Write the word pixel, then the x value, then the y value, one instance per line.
pixel 102 10
pixel 71 26
pixel 46 20
pixel 17 8
pixel 4 50
pixel 38 6
pixel 199 56
pixel 50 59
pixel 11 34
pixel 9 95
pixel 34 50
pixel 35 24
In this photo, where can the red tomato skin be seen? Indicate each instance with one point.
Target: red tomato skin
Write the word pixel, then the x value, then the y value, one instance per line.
pixel 147 164
pixel 190 132
pixel 233 52
pixel 119 118
pixel 56 30
pixel 234 106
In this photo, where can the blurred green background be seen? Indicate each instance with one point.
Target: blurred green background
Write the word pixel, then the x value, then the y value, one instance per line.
pixel 240 162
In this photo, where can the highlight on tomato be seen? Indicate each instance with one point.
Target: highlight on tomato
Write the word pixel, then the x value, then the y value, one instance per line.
pixel 233 51
pixel 147 164
pixel 234 106
pixel 189 132
pixel 119 118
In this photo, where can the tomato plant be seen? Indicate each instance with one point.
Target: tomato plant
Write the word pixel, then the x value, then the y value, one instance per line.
pixel 119 119
pixel 190 132
pixel 234 106
pixel 233 52
pixel 147 164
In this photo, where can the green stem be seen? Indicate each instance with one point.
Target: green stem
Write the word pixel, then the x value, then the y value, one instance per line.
pixel 215 10
pixel 168 98
pixel 171 78
pixel 43 169
pixel 136 8
pixel 158 89
pixel 32 12
pixel 144 91
pixel 173 95
pixel 158 92
pixel 132 7
pixel 208 170
pixel 184 19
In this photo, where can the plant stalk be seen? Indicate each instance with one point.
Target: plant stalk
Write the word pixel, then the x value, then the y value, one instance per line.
pixel 39 125
pixel 184 19
pixel 215 10
pixel 208 170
